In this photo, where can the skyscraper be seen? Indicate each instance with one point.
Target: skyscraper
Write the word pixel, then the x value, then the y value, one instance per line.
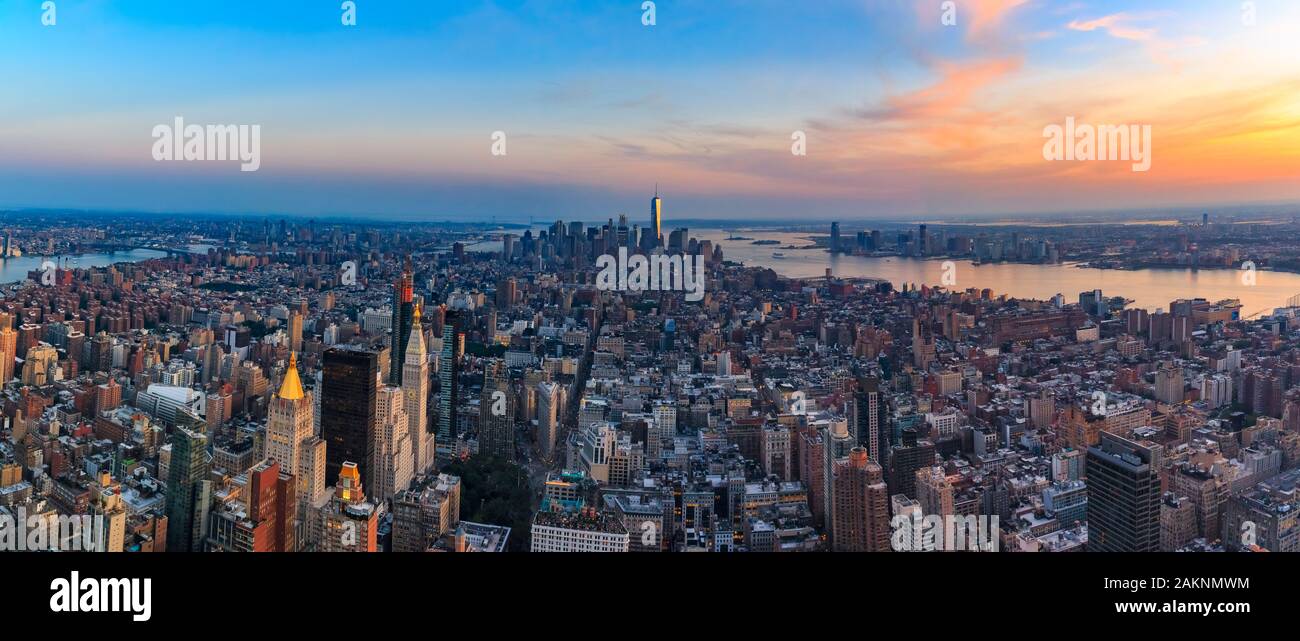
pixel 290 425
pixel 40 364
pixel 403 312
pixel 934 491
pixel 188 491
pixel 348 394
pixel 272 507
pixel 812 471
pixel 497 412
pixel 393 458
pixel 1169 384
pixel 861 505
pixel 870 418
pixel 415 387
pixel 295 331
pixel 1123 495
pixel 656 221
pixel 837 444
pixel 448 377
pixel 922 344
pixel 905 460
pixel 507 289
pixel 548 418
pixel 8 352
pixel 313 459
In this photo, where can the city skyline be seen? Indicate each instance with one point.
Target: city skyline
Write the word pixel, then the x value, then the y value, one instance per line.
pixel 904 116
pixel 244 394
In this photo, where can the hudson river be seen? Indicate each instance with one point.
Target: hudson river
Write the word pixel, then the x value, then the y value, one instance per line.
pixel 1148 288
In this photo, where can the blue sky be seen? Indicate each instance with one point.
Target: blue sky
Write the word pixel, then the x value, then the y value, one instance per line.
pixel 393 117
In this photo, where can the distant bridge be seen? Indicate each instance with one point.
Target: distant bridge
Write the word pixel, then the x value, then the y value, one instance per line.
pixel 169 250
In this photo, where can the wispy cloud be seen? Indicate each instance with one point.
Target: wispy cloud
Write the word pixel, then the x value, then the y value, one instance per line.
pixel 1116 24
pixel 987 15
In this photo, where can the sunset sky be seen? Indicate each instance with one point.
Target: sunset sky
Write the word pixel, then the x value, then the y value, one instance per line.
pixel 904 117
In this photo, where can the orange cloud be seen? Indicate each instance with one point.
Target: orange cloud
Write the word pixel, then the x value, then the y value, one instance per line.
pixel 980 17
pixel 986 15
pixel 955 90
pixel 1114 25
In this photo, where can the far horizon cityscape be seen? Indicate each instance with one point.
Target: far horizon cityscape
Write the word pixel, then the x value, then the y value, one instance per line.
pixel 1170 262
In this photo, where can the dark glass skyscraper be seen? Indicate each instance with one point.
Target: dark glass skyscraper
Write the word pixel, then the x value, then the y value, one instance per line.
pixel 349 391
pixel 188 491
pixel 905 460
pixel 403 309
pixel 1123 495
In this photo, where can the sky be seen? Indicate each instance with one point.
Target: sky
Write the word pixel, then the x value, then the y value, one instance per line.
pixel 901 115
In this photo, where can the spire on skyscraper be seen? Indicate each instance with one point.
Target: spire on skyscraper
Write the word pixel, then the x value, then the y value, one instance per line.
pixel 415 344
pixel 291 387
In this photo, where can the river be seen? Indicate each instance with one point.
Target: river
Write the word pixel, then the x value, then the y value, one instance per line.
pixel 13 270
pixel 1148 288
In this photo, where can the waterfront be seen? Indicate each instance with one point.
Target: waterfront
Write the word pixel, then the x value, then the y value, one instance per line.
pixel 15 269
pixel 1148 288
